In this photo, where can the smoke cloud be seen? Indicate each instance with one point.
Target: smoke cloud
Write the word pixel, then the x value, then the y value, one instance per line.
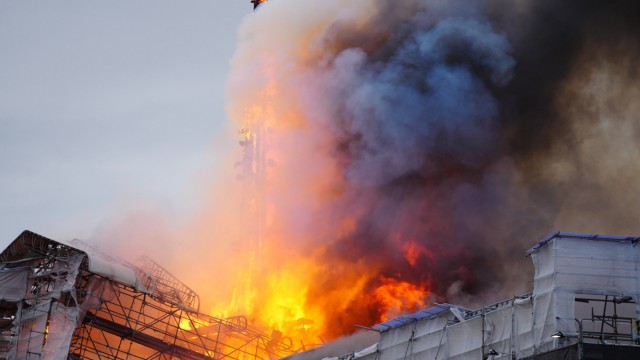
pixel 420 147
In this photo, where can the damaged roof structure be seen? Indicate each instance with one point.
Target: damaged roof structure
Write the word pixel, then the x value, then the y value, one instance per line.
pixel 584 305
pixel 70 301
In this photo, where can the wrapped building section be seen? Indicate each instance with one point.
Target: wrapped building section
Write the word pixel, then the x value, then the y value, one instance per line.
pixel 451 332
pixel 572 270
pixel 68 301
pixel 584 305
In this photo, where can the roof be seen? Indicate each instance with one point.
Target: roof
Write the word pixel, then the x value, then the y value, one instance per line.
pixel 97 263
pixel 630 239
pixel 438 310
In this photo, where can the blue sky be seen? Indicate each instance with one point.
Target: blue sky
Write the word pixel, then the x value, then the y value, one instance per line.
pixel 106 105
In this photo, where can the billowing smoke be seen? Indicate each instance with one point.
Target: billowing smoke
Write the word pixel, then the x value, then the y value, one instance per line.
pixel 420 147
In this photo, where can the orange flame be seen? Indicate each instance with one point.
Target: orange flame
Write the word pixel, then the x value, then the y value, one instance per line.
pixel 399 297
pixel 280 291
pixel 185 324
pixel 413 250
pixel 289 282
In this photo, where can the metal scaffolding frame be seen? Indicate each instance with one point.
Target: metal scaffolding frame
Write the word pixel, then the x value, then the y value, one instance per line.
pixel 75 308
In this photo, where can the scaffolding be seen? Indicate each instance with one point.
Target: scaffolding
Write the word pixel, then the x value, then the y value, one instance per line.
pixel 64 301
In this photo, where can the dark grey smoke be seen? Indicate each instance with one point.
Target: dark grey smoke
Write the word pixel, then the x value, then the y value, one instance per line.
pixel 444 121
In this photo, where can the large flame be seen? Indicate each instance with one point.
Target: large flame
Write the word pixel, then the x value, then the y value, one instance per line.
pixel 393 155
pixel 279 289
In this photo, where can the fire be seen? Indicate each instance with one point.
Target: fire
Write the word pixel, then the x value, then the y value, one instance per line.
pixel 413 250
pixel 284 305
pixel 302 263
pixel 399 297
pixel 185 324
pixel 376 166
pixel 293 282
pixel 189 323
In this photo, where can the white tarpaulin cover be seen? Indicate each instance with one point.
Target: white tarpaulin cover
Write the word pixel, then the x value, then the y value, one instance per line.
pixel 62 322
pixel 114 271
pixel 33 321
pixel 445 337
pixel 42 326
pixel 569 264
pixel 14 284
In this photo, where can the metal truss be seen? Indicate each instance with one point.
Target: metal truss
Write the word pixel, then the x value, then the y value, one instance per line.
pixel 108 319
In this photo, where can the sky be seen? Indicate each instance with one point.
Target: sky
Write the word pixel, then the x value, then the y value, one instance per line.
pixel 109 107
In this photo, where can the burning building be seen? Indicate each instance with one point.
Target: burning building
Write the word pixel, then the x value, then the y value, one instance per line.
pixel 389 152
pixel 413 144
pixel 69 301
pixel 584 305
